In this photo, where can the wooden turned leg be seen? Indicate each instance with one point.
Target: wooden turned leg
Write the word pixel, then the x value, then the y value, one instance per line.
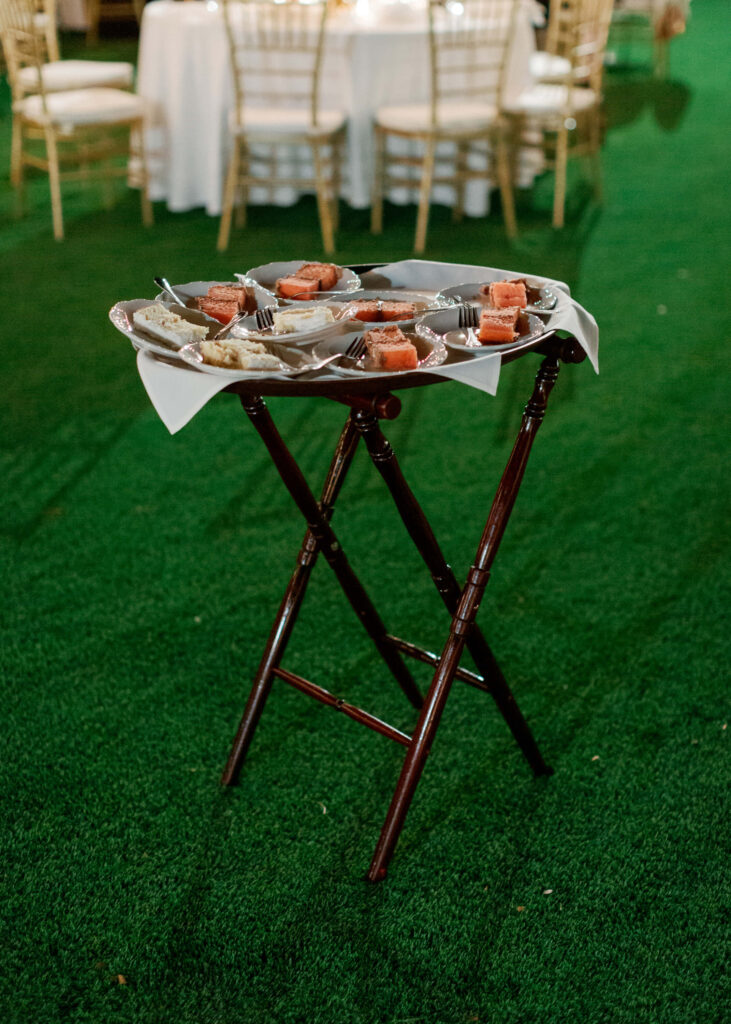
pixel 289 608
pixel 463 619
pixel 329 545
pixel 421 533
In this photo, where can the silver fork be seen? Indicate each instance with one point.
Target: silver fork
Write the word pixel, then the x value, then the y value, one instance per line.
pixel 264 318
pixel 164 284
pixel 355 352
pixel 468 316
pixel 227 328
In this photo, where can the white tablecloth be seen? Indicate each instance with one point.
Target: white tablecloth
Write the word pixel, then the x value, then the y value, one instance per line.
pixel 374 55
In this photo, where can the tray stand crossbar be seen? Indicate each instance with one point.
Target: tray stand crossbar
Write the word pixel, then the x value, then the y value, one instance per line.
pixel 462 603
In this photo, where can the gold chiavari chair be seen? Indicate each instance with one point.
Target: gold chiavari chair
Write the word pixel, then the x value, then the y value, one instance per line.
pixel 276 53
pixel 561 116
pixel 72 134
pixel 468 45
pixel 61 75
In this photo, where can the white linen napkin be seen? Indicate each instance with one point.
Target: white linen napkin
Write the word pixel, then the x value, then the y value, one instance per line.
pixel 178 393
pixel 482 372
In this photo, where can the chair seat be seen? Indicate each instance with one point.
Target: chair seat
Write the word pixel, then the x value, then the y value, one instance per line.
pixel 268 121
pixel 545 99
pixel 62 75
pixel 451 117
pixel 83 106
pixel 549 67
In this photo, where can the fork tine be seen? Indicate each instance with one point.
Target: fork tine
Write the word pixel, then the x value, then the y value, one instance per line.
pixel 356 348
pixel 264 318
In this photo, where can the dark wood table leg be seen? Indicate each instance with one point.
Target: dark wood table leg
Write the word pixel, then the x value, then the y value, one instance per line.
pixel 320 537
pixel 289 609
pixel 421 533
pixel 463 619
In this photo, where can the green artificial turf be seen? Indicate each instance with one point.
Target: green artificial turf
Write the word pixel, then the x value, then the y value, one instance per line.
pixel 141 573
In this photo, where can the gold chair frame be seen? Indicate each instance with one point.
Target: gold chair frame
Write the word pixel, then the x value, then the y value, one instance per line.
pixel 467 62
pixel 51 146
pixel 47 18
pixel 578 31
pixel 276 51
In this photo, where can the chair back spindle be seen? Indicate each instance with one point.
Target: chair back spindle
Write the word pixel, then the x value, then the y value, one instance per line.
pixel 468 42
pixel 276 51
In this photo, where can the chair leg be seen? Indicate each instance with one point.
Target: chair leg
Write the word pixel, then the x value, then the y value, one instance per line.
pixel 16 153
pixel 323 201
pixel 241 193
pixel 229 195
pixel 461 167
pixel 427 174
pixel 559 188
pixel 379 166
pixel 54 178
pixel 337 152
pixel 505 180
pixel 137 146
pixel 92 18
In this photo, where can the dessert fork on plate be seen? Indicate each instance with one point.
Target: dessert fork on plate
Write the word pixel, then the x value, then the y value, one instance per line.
pixel 468 316
pixel 264 319
pixel 354 352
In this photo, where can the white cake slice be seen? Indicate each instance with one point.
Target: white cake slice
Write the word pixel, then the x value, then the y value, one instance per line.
pixel 290 321
pixel 163 323
pixel 239 355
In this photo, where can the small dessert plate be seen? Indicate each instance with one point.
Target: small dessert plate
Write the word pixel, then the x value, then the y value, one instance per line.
pixel 445 327
pixel 249 328
pixel 291 361
pixel 541 299
pixel 431 351
pixel 268 274
pixel 421 302
pixel 197 289
pixel 122 316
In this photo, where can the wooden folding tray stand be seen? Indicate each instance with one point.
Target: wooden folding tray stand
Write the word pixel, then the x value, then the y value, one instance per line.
pixel 371 401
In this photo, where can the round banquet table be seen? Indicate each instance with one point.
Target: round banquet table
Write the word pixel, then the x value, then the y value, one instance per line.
pixel 373 54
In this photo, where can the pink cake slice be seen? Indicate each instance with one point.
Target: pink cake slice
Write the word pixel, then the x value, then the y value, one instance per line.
pixel 292 287
pixel 498 325
pixel 504 294
pixel 390 349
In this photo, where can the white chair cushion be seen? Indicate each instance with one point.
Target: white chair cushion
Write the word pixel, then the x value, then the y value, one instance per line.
pixel 544 99
pixel 451 117
pixel 83 106
pixel 267 121
pixel 548 67
pixel 60 75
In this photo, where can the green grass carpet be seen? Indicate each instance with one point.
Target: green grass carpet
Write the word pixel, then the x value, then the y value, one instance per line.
pixel 140 574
